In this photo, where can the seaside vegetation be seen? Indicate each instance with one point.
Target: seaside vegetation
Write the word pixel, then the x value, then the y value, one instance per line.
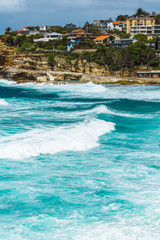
pixel 114 58
pixel 131 57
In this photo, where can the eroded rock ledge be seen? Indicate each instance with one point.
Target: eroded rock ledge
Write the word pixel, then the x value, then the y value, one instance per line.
pixel 35 68
pixel 23 75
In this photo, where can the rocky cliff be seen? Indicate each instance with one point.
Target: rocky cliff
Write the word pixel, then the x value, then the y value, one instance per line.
pixel 30 67
pixel 35 67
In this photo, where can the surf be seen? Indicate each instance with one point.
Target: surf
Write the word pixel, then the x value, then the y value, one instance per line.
pixel 77 137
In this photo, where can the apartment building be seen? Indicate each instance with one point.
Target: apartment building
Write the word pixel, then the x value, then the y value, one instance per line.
pixel 139 22
pixel 146 30
pixel 104 25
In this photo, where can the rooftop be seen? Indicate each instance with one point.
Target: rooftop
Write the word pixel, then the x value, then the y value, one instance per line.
pixel 54 33
pixel 81 31
pixel 140 18
pixel 101 37
pixel 20 30
pixel 117 22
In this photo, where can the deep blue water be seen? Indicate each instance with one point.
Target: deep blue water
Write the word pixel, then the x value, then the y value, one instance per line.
pixel 79 161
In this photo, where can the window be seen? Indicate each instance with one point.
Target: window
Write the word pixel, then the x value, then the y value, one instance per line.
pixel 157 27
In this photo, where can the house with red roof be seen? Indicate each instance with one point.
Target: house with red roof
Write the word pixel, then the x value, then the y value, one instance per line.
pixel 78 34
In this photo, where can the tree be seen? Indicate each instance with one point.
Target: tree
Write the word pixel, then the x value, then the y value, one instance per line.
pixel 51 59
pixel 10 40
pixel 91 28
pixel 155 62
pixel 20 40
pixel 157 19
pixel 61 47
pixel 122 18
pixel 58 29
pixel 140 53
pixel 8 30
pixel 153 13
pixel 141 12
pixel 125 35
pixel 140 37
pixel 69 27
pixel 120 33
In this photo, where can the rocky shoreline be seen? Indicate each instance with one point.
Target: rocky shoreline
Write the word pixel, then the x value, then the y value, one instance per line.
pixel 26 75
pixel 34 67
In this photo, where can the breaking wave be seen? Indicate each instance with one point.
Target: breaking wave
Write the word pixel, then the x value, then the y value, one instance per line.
pixel 78 137
pixel 3 102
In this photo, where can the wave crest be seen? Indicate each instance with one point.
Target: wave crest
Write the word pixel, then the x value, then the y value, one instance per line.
pixel 78 137
pixel 3 102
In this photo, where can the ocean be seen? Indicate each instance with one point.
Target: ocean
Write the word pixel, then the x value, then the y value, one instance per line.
pixel 79 161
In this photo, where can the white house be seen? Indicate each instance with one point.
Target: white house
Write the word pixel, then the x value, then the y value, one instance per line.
pixel 104 25
pixel 32 30
pixel 119 25
pixel 50 37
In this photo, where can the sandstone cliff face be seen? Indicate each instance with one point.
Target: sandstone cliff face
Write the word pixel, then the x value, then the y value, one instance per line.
pixel 80 66
pixel 31 62
pixel 35 67
pixel 7 55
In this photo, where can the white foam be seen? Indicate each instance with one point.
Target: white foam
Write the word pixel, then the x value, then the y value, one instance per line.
pixel 134 92
pixel 83 89
pixel 76 230
pixel 3 102
pixel 7 82
pixel 116 113
pixel 145 93
pixel 96 110
pixel 78 137
pixel 116 232
pixel 94 87
pixel 104 109
pixel 101 109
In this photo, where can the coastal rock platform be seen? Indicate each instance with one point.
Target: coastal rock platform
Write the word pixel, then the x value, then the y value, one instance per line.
pixel 23 75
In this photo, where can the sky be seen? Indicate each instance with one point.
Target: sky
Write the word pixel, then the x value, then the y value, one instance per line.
pixel 19 13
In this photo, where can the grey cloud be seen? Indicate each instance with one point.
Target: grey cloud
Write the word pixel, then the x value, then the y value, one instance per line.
pixel 12 6
pixel 19 13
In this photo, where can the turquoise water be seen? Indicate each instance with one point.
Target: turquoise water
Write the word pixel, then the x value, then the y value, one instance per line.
pixel 79 161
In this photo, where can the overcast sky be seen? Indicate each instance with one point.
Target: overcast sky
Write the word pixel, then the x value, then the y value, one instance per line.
pixel 19 13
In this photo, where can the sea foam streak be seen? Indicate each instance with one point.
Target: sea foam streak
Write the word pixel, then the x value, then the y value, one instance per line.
pixel 112 232
pixel 3 102
pixel 7 82
pixel 77 231
pixel 78 137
